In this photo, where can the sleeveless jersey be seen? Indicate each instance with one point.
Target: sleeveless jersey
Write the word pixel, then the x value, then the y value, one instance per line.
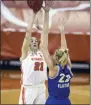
pixel 34 69
pixel 59 86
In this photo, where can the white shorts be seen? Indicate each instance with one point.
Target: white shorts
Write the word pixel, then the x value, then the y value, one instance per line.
pixel 32 94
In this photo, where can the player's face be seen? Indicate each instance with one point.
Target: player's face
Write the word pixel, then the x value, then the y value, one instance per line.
pixel 34 43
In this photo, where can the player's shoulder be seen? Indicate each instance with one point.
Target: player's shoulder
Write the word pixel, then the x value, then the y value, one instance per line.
pixel 68 67
pixel 59 66
pixel 29 54
pixel 40 53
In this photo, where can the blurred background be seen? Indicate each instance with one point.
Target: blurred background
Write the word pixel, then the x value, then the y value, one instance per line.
pixel 14 20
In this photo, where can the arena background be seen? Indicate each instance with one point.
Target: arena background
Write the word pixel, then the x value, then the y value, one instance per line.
pixel 14 19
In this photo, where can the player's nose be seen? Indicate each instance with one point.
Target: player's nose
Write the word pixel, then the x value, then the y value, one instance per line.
pixel 35 43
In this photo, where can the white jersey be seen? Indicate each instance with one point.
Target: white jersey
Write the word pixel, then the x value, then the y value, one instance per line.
pixel 34 69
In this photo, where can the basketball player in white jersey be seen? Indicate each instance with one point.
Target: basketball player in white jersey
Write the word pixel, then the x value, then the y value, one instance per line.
pixel 33 69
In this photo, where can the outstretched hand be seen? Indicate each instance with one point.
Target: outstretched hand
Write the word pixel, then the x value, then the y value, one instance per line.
pixel 62 23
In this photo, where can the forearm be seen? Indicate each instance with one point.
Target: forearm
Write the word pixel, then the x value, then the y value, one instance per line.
pixel 44 36
pixel 46 92
pixel 31 22
pixel 25 45
pixel 63 38
pixel 29 30
pixel 69 61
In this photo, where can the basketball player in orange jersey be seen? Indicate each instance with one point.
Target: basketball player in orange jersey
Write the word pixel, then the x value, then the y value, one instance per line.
pixel 33 69
pixel 59 66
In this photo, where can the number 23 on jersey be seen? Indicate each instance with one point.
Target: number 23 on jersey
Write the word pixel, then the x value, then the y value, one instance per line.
pixel 62 76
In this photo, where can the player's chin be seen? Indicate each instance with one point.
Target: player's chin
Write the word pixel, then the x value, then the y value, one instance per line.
pixel 35 47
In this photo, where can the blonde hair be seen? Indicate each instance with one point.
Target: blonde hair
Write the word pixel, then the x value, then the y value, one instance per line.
pixel 61 54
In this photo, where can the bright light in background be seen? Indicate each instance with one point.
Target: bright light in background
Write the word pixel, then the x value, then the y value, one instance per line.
pixel 53 11
pixel 79 7
pixel 10 17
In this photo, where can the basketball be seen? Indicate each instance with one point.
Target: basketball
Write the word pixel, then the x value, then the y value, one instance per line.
pixel 35 4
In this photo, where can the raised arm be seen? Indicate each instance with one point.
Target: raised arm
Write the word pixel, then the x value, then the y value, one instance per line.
pixel 63 39
pixel 44 40
pixel 44 35
pixel 25 46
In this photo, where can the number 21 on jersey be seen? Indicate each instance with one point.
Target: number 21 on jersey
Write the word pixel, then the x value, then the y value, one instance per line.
pixel 38 66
